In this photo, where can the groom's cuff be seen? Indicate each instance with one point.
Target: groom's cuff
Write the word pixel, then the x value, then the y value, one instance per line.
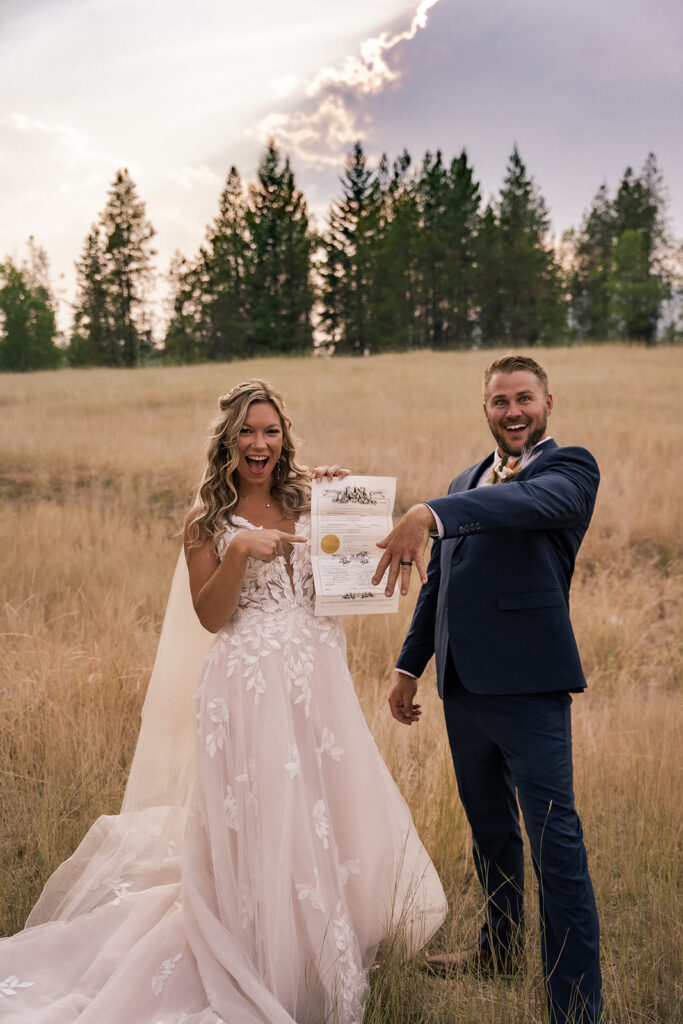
pixel 405 672
pixel 439 532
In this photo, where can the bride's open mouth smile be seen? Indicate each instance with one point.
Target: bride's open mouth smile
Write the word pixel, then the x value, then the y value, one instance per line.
pixel 257 464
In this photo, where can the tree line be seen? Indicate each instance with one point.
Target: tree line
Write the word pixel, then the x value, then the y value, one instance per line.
pixel 410 257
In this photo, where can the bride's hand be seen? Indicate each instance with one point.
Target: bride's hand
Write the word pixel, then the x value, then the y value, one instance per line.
pixel 265 545
pixel 320 472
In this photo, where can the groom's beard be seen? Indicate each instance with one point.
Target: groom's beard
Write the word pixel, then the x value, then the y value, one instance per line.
pixel 534 437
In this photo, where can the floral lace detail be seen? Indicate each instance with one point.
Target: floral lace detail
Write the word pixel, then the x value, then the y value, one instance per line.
pixel 348 868
pixel 267 586
pixel 230 805
pixel 321 823
pixel 274 616
pixel 313 893
pixel 248 779
pixel 352 986
pixel 327 747
pixel 121 892
pixel 247 907
pixel 9 986
pixel 294 766
pixel 246 654
pixel 220 716
pixel 163 973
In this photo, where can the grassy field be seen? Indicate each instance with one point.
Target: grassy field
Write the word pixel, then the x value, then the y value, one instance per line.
pixel 96 470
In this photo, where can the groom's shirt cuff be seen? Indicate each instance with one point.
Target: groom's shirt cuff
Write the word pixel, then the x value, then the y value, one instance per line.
pixel 439 532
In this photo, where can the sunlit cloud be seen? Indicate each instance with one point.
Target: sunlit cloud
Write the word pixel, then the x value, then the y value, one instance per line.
pixel 317 137
pixel 370 72
pixel 319 133
pixel 285 85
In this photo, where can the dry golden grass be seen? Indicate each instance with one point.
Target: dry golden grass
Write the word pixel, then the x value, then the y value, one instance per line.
pixel 96 469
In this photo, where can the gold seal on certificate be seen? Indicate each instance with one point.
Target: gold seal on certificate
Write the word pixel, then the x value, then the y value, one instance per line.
pixel 330 544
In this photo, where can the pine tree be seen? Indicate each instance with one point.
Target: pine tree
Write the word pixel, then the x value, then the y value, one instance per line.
pixel 620 279
pixel 636 293
pixel 111 323
pixel 531 289
pixel 449 199
pixel 225 260
pixel 640 280
pixel 349 266
pixel 27 319
pixel 391 267
pixel 187 338
pixel 433 272
pixel 590 278
pixel 277 288
pixel 209 318
pixel 128 262
pixel 490 280
pixel 93 339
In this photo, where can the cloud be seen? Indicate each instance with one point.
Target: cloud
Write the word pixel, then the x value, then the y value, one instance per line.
pixel 319 133
pixel 371 72
pixel 65 144
pixel 317 137
pixel 199 175
pixel 285 85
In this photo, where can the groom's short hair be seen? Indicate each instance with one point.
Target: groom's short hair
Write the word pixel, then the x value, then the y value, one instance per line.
pixel 512 363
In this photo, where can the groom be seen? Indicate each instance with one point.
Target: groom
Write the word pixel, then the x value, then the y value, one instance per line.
pixel 494 609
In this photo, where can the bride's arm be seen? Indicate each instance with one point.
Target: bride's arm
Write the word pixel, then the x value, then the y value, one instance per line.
pixel 215 583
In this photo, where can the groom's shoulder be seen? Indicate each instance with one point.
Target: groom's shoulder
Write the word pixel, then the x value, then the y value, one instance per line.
pixel 572 459
pixel 568 453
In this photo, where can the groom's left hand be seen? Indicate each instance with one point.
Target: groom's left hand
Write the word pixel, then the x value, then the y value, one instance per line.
pixel 404 545
pixel 401 699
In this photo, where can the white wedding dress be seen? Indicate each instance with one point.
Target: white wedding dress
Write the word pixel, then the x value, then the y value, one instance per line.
pixel 263 898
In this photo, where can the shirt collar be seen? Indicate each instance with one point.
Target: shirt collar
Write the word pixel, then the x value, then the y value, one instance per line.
pixel 498 458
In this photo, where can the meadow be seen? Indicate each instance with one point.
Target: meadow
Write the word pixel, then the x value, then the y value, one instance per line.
pixel 97 468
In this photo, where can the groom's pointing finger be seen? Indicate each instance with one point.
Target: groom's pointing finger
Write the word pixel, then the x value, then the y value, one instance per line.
pixel 381 566
pixel 420 566
pixel 392 577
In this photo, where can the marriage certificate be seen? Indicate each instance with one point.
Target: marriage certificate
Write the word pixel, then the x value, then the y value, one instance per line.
pixel 348 517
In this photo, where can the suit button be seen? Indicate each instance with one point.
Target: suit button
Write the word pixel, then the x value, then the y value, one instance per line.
pixel 477 526
pixel 461 529
pixel 455 560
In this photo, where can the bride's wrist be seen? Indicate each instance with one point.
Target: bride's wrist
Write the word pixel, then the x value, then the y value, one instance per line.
pixel 239 545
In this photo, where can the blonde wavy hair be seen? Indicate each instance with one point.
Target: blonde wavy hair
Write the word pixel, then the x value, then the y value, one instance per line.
pixel 219 490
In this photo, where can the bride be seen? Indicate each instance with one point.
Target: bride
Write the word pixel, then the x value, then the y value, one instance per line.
pixel 263 850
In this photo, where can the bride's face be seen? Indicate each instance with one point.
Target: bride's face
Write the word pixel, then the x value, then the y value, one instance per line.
pixel 259 443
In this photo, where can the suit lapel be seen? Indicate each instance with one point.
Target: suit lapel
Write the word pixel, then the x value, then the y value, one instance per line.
pixel 470 477
pixel 537 458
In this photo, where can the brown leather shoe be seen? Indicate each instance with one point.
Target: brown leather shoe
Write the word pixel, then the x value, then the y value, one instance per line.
pixel 480 960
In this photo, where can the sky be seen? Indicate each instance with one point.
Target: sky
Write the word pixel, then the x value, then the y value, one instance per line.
pixel 179 92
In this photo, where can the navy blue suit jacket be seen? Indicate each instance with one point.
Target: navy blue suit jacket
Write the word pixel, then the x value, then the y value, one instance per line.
pixel 497 594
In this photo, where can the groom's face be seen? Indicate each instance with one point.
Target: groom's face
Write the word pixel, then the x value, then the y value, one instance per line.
pixel 517 409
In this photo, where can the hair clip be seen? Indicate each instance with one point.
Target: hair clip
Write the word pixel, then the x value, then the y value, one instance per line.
pixel 246 385
pixel 226 396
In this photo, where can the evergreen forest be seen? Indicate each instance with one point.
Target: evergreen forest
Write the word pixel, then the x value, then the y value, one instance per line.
pixel 409 257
